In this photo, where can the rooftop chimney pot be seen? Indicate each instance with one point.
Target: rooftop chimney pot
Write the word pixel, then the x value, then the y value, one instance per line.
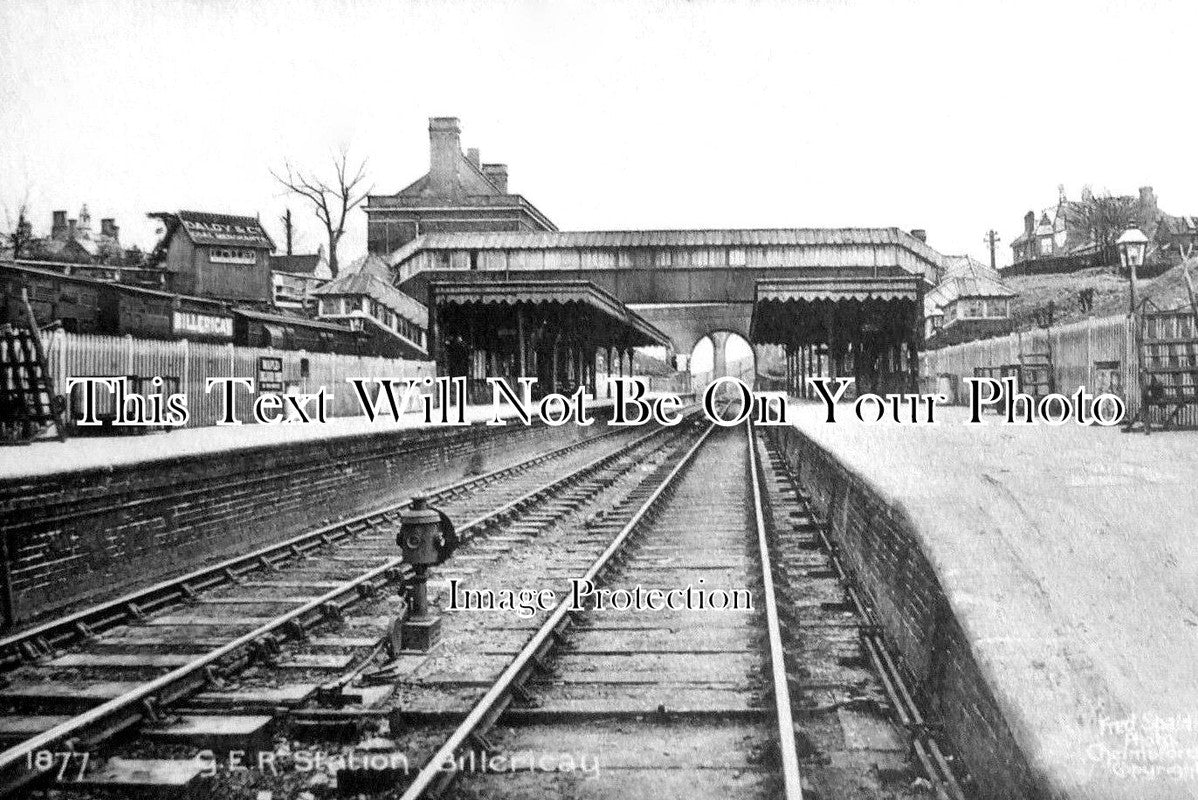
pixel 497 174
pixel 920 234
pixel 445 150
pixel 58 228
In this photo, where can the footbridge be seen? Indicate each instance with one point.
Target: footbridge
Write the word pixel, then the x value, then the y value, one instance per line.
pixel 842 300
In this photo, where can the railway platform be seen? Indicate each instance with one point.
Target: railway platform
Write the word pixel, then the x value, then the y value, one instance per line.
pixel 1040 582
pixel 93 516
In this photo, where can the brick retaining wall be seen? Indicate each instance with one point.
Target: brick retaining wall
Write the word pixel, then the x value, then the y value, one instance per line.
pixel 80 535
pixel 879 544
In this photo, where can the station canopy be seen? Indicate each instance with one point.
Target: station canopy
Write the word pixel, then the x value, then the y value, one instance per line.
pixel 578 309
pixel 813 310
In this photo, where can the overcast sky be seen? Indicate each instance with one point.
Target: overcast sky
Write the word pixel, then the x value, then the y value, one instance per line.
pixel 955 117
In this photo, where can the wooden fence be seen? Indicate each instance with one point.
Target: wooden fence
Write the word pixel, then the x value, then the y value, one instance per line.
pixel 192 363
pixel 1097 353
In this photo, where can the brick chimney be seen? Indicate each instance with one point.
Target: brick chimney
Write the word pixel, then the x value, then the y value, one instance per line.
pixel 1148 210
pixel 445 149
pixel 1029 223
pixel 920 234
pixel 72 228
pixel 58 229
pixel 497 174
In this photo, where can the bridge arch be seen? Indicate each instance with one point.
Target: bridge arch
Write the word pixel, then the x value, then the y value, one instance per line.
pixel 722 354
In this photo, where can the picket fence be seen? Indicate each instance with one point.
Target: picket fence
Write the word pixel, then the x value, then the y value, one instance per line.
pixel 192 363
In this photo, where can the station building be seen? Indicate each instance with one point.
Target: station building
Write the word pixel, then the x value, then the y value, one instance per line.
pixel 485 263
pixel 458 193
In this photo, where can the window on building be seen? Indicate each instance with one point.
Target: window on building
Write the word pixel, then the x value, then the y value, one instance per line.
pixel 442 261
pixel 736 257
pixel 998 307
pixel 473 259
pixel 974 307
pixel 1046 246
pixel 665 258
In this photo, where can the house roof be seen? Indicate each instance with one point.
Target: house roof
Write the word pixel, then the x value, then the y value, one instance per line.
pixel 370 264
pixel 968 266
pixel 959 286
pixel 29 266
pixel 204 228
pixel 965 276
pixel 285 319
pixel 296 264
pixel 370 285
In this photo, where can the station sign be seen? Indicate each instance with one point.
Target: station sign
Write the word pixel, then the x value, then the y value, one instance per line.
pixel 197 324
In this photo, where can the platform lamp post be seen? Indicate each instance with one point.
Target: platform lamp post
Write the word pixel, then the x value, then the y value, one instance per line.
pixel 1133 245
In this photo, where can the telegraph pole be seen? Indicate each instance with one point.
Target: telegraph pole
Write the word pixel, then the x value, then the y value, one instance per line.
pixel 286 218
pixel 992 240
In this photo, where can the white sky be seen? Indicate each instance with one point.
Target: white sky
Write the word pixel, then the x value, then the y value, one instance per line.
pixel 954 116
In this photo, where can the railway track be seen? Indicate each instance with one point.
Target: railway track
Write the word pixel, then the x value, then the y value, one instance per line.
pixel 690 700
pixel 794 697
pixel 241 641
pixel 775 701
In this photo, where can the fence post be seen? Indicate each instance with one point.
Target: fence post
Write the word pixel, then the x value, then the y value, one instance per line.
pixel 1089 351
pixel 185 377
pixel 128 354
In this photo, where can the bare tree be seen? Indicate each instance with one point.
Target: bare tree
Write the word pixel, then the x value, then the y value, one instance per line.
pixel 331 200
pixel 1105 218
pixel 20 235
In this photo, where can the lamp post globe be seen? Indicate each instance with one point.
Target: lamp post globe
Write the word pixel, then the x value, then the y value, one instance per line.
pixel 1133 245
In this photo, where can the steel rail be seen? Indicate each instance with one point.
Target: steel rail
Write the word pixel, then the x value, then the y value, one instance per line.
pixel 431 775
pixel 792 788
pixel 927 749
pixel 78 725
pixel 116 611
pixel 132 704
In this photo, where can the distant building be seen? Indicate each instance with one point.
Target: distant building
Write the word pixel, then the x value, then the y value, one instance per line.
pixel 970 302
pixel 1061 238
pixel 362 297
pixel 295 279
pixel 74 241
pixel 215 255
pixel 458 194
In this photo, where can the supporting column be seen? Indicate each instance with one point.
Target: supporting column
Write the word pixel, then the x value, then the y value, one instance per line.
pixel 521 344
pixel 607 369
pixel 719 354
pixel 553 367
